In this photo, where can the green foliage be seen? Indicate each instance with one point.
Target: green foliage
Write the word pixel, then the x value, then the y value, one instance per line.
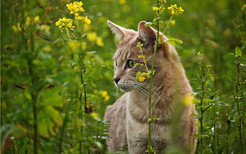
pixel 50 78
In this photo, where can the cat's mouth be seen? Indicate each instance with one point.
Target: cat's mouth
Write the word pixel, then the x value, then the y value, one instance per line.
pixel 125 86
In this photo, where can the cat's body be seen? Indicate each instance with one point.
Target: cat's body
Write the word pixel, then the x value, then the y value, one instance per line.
pixel 128 116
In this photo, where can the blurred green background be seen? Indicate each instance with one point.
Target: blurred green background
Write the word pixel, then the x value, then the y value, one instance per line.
pixel 38 67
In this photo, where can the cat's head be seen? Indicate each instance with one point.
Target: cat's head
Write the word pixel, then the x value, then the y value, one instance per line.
pixel 127 56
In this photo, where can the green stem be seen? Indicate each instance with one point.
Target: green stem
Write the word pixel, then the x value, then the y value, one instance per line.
pixel 201 106
pixel 82 82
pixel 145 64
pixel 238 106
pixel 151 76
pixel 243 124
pixel 62 132
pixel 167 24
pixel 35 126
pixel 215 131
pixel 34 95
pixel 80 109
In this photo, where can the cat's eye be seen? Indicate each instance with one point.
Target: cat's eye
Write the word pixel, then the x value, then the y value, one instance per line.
pixel 115 63
pixel 131 63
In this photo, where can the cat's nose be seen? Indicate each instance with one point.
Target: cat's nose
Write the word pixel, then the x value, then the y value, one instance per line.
pixel 116 80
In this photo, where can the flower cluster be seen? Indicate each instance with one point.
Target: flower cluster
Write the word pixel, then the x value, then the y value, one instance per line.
pixel 74 45
pixel 76 8
pixel 175 9
pixel 92 37
pixel 161 7
pixel 105 95
pixel 63 23
pixel 154 8
pixel 141 76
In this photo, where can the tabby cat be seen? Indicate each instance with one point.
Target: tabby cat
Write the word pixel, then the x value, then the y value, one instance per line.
pixel 128 116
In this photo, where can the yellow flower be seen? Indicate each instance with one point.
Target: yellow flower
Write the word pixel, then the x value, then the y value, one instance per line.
pixel 141 76
pixel 106 98
pixel 243 7
pixel 92 36
pixel 16 28
pixel 105 95
pixel 62 23
pixel 47 48
pixel 36 20
pixel 86 28
pixel 76 68
pixel 28 21
pixel 95 115
pixel 87 20
pixel 75 7
pixel 79 17
pixel 74 45
pixel 45 27
pixel 175 9
pixel 181 10
pixel 100 42
pixel 173 22
pixel 83 45
pixel 122 1
pixel 154 8
pixel 188 100
pixel 141 79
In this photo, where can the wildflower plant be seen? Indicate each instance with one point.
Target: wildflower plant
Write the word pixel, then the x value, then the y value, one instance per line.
pixel 159 8
pixel 141 76
pixel 83 64
pixel 68 24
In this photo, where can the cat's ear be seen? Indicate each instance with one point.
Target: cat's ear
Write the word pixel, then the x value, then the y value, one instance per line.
pixel 118 30
pixel 146 34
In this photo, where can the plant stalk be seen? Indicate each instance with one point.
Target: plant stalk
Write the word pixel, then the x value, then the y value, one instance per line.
pixel 238 105
pixel 151 76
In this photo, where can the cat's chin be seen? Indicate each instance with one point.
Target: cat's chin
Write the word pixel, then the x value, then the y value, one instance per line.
pixel 124 89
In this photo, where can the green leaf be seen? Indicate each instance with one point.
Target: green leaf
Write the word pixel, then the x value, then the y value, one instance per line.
pixel 48 119
pixel 51 97
pixel 173 41
pixel 238 52
pixel 149 120
pixel 154 119
pixel 148 24
pixel 140 56
pixel 193 115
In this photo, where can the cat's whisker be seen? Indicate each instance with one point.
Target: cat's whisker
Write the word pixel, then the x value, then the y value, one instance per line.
pixel 141 90
pixel 154 93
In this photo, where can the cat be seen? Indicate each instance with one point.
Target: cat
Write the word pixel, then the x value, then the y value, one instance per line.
pixel 128 116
